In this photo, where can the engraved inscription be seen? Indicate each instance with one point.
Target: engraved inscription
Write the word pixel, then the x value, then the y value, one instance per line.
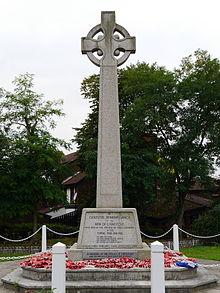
pixel 109 230
pixel 107 253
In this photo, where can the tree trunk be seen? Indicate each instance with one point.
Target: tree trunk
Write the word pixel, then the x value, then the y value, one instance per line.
pixel 180 207
pixel 181 214
pixel 35 220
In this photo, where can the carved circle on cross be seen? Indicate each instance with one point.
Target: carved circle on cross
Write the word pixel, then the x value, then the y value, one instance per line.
pixel 120 53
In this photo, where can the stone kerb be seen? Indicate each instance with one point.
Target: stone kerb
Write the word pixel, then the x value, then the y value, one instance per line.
pixel 91 274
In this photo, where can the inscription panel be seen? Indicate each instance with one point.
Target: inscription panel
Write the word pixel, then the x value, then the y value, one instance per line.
pixel 109 230
pixel 108 254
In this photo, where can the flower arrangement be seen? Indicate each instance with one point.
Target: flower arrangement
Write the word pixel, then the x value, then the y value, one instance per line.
pixel 44 260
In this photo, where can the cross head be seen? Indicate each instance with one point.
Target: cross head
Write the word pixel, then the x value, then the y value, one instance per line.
pixel 111 48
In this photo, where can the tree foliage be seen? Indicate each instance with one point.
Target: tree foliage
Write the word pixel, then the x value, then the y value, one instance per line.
pixel 30 169
pixel 208 224
pixel 169 127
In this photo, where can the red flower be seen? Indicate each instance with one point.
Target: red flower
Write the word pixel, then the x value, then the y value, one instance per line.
pixel 44 260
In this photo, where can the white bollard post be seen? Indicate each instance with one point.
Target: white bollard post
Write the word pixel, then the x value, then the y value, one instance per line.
pixel 176 238
pixel 44 239
pixel 58 284
pixel 157 268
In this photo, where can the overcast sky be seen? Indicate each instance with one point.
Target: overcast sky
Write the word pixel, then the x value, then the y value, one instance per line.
pixel 43 37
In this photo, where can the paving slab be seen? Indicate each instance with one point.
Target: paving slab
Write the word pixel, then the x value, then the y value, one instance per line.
pixel 6 268
pixel 214 270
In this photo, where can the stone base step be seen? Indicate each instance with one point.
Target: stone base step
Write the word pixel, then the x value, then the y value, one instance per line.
pixel 203 280
pixel 91 274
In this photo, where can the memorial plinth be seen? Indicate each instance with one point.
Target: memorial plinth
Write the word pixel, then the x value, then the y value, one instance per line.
pixel 109 230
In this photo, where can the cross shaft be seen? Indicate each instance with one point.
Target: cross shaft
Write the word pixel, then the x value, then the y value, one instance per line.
pixel 108 46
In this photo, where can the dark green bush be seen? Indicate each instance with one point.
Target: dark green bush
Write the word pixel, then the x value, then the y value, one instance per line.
pixel 208 224
pixel 16 231
pixel 61 229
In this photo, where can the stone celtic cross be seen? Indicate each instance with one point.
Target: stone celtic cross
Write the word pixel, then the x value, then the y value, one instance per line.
pixel 108 45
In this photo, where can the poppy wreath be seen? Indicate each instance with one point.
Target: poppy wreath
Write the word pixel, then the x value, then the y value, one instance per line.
pixel 44 260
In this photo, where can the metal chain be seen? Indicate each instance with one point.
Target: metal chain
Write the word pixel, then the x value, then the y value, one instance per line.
pixel 62 234
pixel 160 236
pixel 196 236
pixel 15 257
pixel 20 240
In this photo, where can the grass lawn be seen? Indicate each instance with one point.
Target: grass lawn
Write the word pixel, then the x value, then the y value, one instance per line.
pixel 69 241
pixel 205 252
pixel 11 255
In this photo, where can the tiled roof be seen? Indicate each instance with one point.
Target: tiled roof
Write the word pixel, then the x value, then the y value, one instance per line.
pixel 198 187
pixel 193 202
pixel 49 209
pixel 74 179
pixel 199 200
pixel 69 158
pixel 59 213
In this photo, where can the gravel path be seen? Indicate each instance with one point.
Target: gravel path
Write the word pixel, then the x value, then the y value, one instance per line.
pixel 6 268
pixel 214 271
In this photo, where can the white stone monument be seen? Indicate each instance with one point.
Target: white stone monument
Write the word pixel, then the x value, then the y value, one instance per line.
pixel 109 230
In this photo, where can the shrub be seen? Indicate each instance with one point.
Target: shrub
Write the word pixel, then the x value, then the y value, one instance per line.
pixel 208 223
pixel 61 229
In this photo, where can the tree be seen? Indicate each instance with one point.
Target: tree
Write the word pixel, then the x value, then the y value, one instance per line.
pixel 30 168
pixel 197 143
pixel 140 166
pixel 179 110
pixel 184 115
